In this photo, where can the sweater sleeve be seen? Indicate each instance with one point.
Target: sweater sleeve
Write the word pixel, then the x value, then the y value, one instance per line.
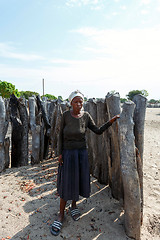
pixel 60 139
pixel 93 127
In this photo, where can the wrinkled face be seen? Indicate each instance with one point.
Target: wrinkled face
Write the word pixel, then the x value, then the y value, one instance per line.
pixel 77 103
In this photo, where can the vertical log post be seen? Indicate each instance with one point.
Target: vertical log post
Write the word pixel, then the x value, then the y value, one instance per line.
pixel 47 125
pixel 130 178
pixel 2 134
pixel 139 118
pixel 50 110
pixel 16 133
pixel 35 130
pixel 55 128
pixel 53 124
pixel 24 137
pixel 91 107
pixel 7 140
pixel 113 108
pixel 140 174
pixel 6 150
pixel 102 146
pixel 32 113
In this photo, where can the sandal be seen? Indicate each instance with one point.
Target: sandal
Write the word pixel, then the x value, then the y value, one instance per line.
pixel 57 225
pixel 75 212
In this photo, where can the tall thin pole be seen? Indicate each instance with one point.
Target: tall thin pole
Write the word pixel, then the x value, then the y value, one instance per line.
pixel 43 85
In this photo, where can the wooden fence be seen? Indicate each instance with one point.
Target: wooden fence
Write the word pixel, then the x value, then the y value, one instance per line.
pixel 116 157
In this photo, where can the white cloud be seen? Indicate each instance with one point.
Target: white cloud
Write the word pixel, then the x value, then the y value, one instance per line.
pixel 120 60
pixel 130 56
pixel 144 12
pixel 97 8
pixel 119 42
pixel 158 6
pixel 145 2
pixel 95 4
pixel 115 13
pixel 8 51
pixel 123 7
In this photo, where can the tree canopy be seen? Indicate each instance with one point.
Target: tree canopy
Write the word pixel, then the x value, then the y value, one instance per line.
pixel 132 93
pixel 27 94
pixel 154 101
pixel 50 96
pixel 7 89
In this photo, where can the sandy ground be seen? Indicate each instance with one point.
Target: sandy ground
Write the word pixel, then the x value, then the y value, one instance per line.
pixel 29 203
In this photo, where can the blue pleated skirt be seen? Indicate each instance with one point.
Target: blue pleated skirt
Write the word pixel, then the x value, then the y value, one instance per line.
pixel 73 176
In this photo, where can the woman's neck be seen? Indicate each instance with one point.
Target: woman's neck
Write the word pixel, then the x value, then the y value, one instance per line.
pixel 76 113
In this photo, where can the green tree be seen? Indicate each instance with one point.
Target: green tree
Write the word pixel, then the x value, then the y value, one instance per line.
pixel 6 89
pixel 153 101
pixel 60 97
pixel 50 97
pixel 27 94
pixel 132 93
pixel 123 100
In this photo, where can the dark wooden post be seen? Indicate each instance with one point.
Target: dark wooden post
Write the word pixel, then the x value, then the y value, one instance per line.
pixel 53 124
pixel 35 156
pixel 16 133
pixel 24 137
pixel 55 127
pixel 6 150
pixel 51 109
pixel 32 112
pixel 113 108
pixel 102 143
pixel 64 106
pixel 139 119
pixel 2 134
pixel 47 125
pixel 7 140
pixel 140 174
pixel 91 107
pixel 130 178
pixel 35 130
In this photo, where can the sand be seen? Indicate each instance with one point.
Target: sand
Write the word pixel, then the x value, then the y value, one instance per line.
pixel 29 202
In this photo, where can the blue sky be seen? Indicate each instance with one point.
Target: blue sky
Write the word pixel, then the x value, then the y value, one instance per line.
pixel 95 46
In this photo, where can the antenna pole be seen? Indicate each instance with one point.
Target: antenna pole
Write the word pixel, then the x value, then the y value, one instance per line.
pixel 43 85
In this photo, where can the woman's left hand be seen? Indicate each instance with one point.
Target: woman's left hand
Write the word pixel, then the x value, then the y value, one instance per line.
pixel 114 118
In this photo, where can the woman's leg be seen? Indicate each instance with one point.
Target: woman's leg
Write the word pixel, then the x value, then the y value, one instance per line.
pixel 75 213
pixel 62 208
pixel 61 214
pixel 74 205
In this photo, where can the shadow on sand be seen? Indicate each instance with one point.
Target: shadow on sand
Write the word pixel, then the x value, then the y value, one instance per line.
pixel 101 215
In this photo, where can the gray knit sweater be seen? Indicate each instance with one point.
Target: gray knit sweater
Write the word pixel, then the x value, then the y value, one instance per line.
pixel 73 131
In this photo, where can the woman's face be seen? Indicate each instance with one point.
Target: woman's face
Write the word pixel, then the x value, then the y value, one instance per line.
pixel 77 104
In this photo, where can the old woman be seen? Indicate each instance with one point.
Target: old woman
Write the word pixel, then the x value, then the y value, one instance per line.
pixel 73 173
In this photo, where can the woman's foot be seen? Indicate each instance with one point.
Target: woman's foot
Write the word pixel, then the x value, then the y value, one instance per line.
pixel 75 213
pixel 57 225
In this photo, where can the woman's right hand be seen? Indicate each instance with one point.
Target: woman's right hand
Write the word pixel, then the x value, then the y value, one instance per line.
pixel 114 118
pixel 60 160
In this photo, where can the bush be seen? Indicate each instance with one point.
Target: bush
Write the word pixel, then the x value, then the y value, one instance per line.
pixel 50 97
pixel 123 100
pixel 7 89
pixel 152 101
pixel 132 93
pixel 27 94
